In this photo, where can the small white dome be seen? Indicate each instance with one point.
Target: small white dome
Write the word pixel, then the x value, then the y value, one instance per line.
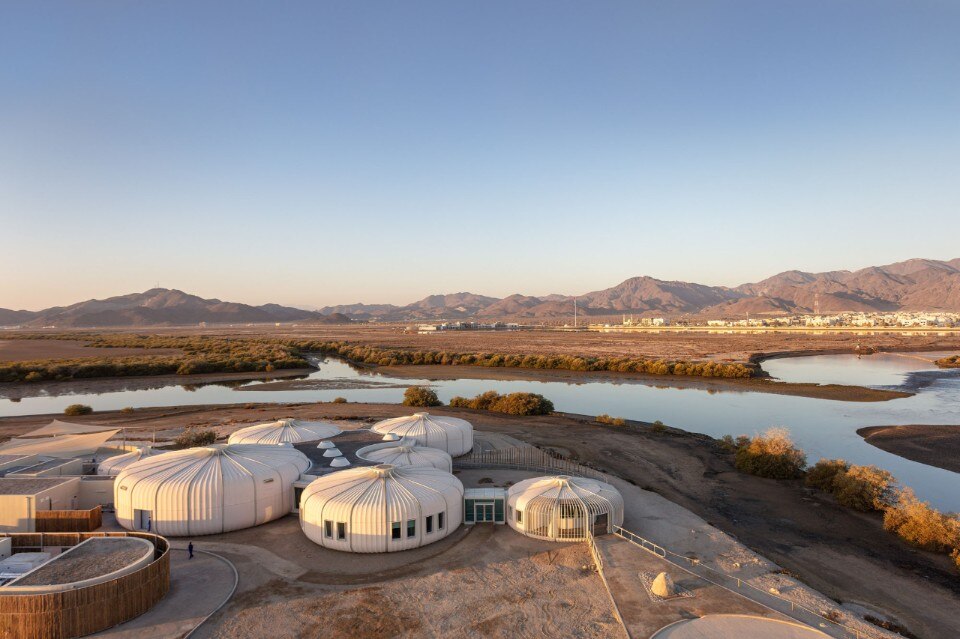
pixel 326 444
pixel 293 431
pixel 391 437
pixel 406 454
pixel 209 489
pixel 381 508
pixel 340 462
pixel 455 436
pixel 332 452
pixel 563 508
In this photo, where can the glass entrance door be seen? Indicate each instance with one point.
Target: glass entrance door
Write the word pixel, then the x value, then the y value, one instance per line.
pixel 483 512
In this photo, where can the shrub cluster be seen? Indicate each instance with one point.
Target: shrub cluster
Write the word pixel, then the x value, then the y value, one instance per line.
pixel 770 454
pixel 923 526
pixel 949 362
pixel 512 404
pixel 395 357
pixel 612 421
pixel 77 409
pixel 193 436
pixel 862 488
pixel 420 396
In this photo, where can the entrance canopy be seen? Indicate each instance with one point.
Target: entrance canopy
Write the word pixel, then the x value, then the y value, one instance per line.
pixel 65 446
pixel 57 427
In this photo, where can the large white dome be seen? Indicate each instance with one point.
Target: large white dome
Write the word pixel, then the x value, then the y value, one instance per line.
pixel 406 454
pixel 563 508
pixel 209 489
pixel 283 431
pixel 381 508
pixel 455 436
pixel 111 466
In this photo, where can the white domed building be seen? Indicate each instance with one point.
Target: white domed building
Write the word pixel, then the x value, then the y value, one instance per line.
pixel 381 508
pixel 455 436
pixel 208 489
pixel 284 431
pixel 404 453
pixel 563 508
pixel 111 466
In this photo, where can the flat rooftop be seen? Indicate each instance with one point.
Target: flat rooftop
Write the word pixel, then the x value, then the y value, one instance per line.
pixel 94 557
pixel 30 485
pixel 348 442
pixel 46 465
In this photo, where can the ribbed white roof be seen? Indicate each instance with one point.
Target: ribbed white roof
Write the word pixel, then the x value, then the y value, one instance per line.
pixel 455 436
pixel 209 489
pixel 563 487
pixel 370 500
pixel 111 466
pixel 563 507
pixel 283 431
pixel 407 455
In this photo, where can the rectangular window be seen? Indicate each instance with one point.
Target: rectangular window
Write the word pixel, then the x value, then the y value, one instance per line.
pixel 341 530
pixel 328 529
pixel 411 528
pixel 519 516
pixel 395 530
pixel 429 524
pixel 440 521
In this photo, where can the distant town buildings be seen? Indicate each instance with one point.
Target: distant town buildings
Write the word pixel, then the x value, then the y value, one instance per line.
pixel 923 319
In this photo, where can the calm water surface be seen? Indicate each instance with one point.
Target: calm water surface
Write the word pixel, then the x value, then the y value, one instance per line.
pixel 823 428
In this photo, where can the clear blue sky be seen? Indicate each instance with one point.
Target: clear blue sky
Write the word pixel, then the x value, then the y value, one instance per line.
pixel 334 152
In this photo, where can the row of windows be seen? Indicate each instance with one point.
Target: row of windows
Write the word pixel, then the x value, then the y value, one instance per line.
pixel 396 528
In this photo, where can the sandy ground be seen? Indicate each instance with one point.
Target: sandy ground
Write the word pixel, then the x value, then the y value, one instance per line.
pixel 934 445
pixel 488 581
pixel 841 553
pixel 22 350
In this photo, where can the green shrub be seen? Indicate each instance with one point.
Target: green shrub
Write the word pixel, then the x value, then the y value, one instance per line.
pixel 658 427
pixel 194 436
pixel 612 421
pixel 127 410
pixel 33 376
pixel 921 525
pixel 420 396
pixel 512 404
pixel 823 473
pixel 771 454
pixel 339 400
pixel 77 409
pixel 863 488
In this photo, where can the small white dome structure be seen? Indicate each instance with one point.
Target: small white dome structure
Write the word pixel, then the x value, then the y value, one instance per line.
pixel 455 436
pixel 405 454
pixel 340 462
pixel 209 489
pixel 391 437
pixel 563 508
pixel 332 452
pixel 111 466
pixel 326 444
pixel 381 508
pixel 284 431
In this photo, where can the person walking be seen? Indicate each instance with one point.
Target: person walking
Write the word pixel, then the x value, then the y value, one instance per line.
pixel 190 550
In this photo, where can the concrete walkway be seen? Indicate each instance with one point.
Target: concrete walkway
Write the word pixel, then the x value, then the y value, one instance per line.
pixel 197 587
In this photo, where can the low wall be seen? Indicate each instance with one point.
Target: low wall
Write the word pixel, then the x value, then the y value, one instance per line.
pixel 86 609
pixel 51 521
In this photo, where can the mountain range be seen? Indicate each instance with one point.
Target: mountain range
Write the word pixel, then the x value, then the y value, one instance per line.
pixel 914 285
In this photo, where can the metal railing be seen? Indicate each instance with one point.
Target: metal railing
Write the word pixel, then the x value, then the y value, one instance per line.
pixel 777 603
pixel 525 458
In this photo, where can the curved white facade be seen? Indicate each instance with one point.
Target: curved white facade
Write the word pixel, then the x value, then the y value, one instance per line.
pixel 381 508
pixel 111 466
pixel 284 431
pixel 209 489
pixel 563 508
pixel 407 455
pixel 455 436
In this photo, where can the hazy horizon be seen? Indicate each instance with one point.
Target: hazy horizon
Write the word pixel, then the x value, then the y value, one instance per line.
pixel 319 155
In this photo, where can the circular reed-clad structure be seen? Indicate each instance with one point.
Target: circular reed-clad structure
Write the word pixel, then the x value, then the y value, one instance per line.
pixel 209 489
pixel 381 508
pixel 407 455
pixel 563 508
pixel 449 434
pixel 284 431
